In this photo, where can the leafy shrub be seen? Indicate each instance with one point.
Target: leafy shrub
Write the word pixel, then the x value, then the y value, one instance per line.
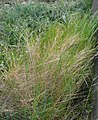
pixel 32 16
pixel 80 5
pixel 35 16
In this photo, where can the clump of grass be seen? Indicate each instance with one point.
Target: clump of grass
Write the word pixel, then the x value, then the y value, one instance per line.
pixel 44 76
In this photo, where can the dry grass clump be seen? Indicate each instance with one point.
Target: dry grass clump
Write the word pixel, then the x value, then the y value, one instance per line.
pixel 45 75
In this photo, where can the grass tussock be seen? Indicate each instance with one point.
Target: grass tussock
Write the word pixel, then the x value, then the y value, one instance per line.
pixel 43 78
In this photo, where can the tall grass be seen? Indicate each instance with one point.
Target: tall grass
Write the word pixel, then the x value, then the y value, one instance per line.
pixel 47 78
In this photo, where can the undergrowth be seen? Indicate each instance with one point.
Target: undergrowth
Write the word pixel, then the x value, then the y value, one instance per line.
pixel 35 16
pixel 47 74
